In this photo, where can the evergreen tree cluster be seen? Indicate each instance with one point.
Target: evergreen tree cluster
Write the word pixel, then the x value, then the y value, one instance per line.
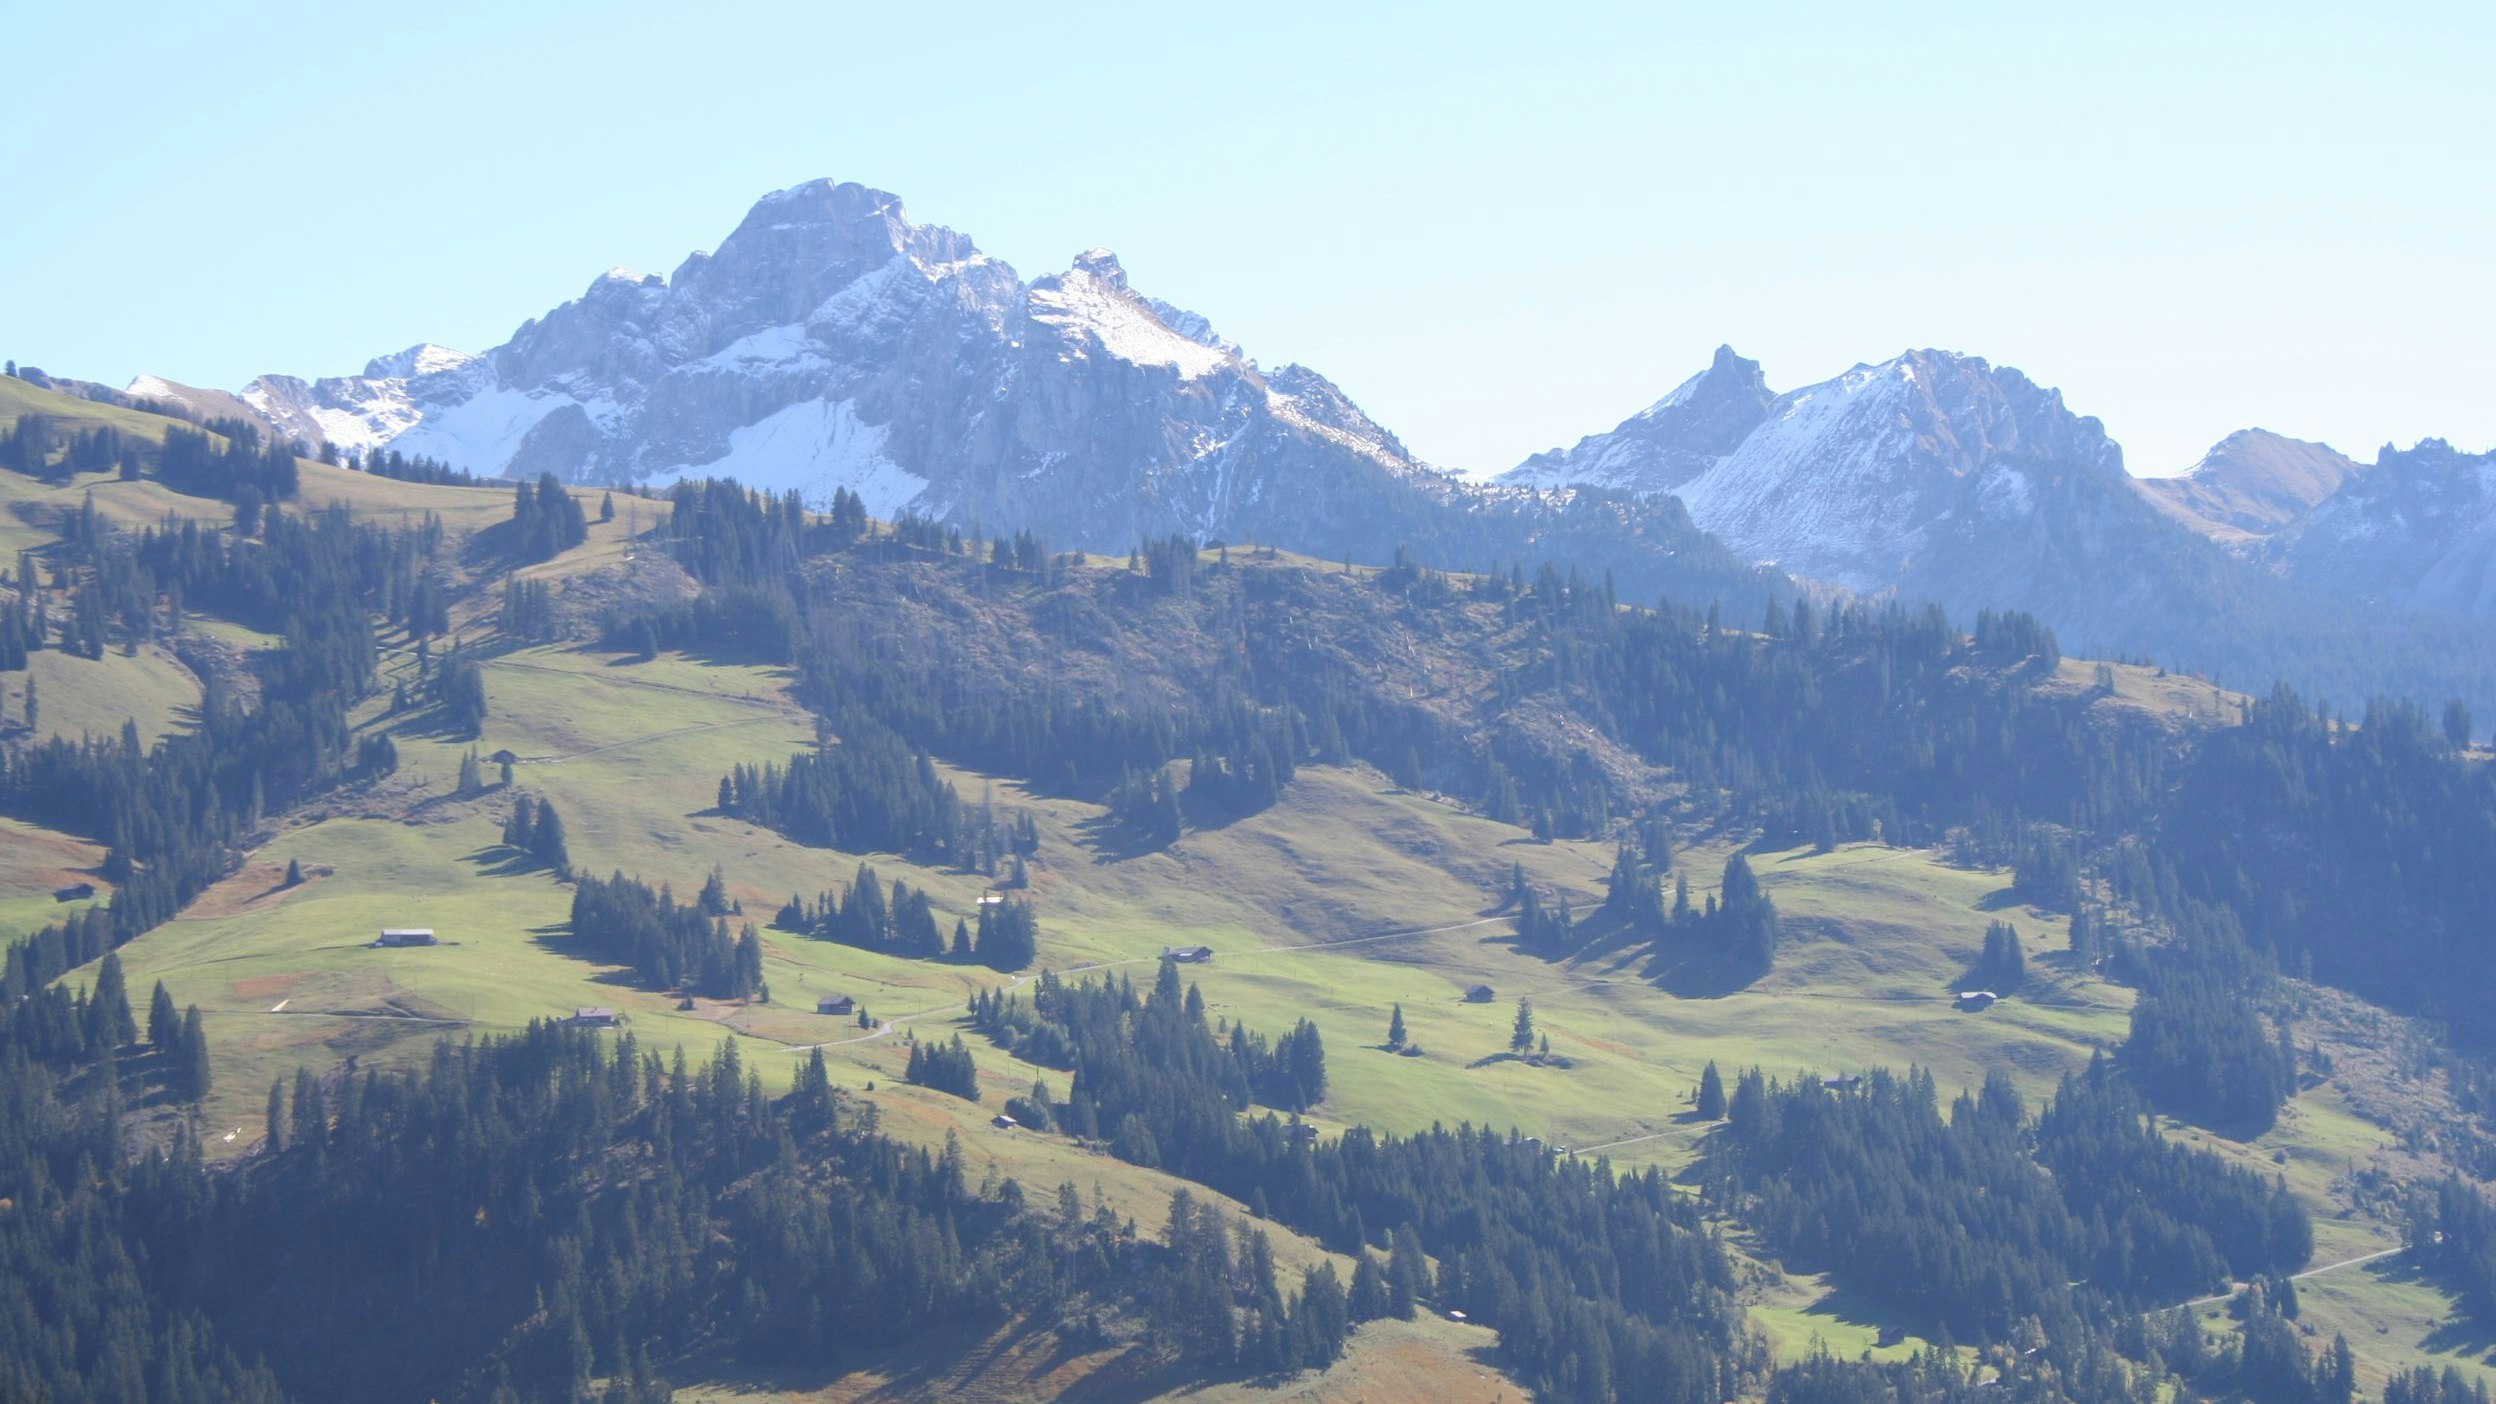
pixel 900 920
pixel 1739 920
pixel 549 1216
pixel 1216 1300
pixel 2452 1233
pixel 2198 1045
pixel 669 946
pixel 946 1067
pixel 529 612
pixel 1956 1222
pixel 241 469
pixel 545 520
pixel 869 793
pixel 1241 766
pixel 2361 850
pixel 536 829
pixel 1602 1284
pixel 391 463
pixel 175 816
pixel 28 446
pixel 2002 963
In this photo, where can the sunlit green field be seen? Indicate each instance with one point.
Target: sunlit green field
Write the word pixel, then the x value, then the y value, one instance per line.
pixel 1348 898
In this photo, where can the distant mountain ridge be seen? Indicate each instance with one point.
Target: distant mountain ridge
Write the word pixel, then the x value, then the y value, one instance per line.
pixel 1938 476
pixel 2251 484
pixel 831 342
pixel 2418 529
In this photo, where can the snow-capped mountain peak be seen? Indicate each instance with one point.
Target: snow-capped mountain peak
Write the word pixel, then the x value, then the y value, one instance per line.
pixel 423 358
pixel 1094 310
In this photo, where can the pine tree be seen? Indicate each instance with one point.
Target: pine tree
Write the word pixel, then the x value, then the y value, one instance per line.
pixel 517 830
pixel 195 1078
pixel 274 1126
pixel 108 1009
pixel 1369 1298
pixel 164 1021
pixel 1711 1094
pixel 294 872
pixel 546 840
pixel 1395 1028
pixel 1408 1273
pixel 1521 1034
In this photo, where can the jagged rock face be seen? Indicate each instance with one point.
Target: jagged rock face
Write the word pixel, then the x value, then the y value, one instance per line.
pixel 1669 442
pixel 2417 529
pixel 1857 480
pixel 1938 477
pixel 2251 484
pixel 1862 481
pixel 830 342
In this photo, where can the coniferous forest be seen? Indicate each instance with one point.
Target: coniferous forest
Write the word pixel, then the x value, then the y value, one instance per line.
pixel 677 1209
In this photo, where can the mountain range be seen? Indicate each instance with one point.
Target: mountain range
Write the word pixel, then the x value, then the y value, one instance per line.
pixel 830 341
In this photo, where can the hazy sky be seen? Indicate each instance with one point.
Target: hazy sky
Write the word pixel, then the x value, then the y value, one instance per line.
pixel 1498 228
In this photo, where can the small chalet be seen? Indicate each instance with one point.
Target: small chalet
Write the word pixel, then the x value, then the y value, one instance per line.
pixel 75 892
pixel 406 936
pixel 1973 1001
pixel 992 899
pixel 1480 994
pixel 1003 1122
pixel 836 1004
pixel 1843 1082
pixel 596 1016
pixel 1188 955
pixel 503 757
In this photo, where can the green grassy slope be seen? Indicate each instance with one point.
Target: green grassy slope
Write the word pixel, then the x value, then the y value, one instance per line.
pixel 1347 898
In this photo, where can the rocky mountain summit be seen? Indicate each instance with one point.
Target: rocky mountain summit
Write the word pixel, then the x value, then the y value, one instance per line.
pixel 831 342
pixel 2251 484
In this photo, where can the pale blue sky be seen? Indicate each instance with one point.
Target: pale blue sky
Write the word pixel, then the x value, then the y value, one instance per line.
pixel 1499 227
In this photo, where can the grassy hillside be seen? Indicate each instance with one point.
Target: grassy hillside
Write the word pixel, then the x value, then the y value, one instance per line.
pixel 1348 898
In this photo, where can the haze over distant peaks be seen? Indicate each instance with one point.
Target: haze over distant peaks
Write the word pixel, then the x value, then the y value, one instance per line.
pixel 2251 483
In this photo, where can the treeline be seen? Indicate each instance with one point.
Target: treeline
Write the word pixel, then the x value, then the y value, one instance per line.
pixel 27 447
pixel 2358 851
pixel 1955 1221
pixel 1835 724
pixel 391 463
pixel 242 469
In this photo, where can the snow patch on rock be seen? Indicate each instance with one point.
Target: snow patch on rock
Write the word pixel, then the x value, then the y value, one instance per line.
pixel 815 447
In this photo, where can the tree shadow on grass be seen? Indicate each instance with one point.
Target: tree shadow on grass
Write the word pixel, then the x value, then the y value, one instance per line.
pixel 2461 1334
pixel 1110 841
pixel 503 860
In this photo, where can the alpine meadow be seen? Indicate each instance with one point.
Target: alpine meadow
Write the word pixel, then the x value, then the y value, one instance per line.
pixel 849 825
